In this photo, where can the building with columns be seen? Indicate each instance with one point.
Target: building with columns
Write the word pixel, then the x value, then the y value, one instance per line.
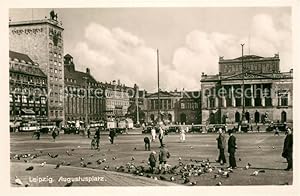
pixel 268 93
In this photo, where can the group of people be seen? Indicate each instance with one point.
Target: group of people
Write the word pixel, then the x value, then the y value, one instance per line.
pixel 163 156
pixel 232 146
pixel 96 140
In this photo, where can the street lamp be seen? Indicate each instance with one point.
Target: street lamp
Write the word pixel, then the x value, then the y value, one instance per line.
pixel 243 120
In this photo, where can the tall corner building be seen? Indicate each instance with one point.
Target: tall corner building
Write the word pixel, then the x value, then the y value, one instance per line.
pixel 42 40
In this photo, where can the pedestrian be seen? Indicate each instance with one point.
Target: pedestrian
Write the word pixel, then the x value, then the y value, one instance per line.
pixel 221 147
pixel 161 136
pixel 258 128
pixel 163 156
pixel 112 135
pixel 88 132
pixel 182 134
pixel 288 149
pixel 231 149
pixel 276 131
pixel 153 134
pixel 147 143
pixel 54 134
pixel 97 137
pixel 152 161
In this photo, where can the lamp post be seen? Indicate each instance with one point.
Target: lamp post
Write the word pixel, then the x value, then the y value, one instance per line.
pixel 158 89
pixel 243 120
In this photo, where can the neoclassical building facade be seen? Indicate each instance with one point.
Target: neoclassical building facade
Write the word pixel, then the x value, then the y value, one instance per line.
pixel 268 93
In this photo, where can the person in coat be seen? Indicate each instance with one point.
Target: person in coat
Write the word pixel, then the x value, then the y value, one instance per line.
pixel 288 149
pixel 147 143
pixel 182 134
pixel 153 134
pixel 221 147
pixel 231 149
pixel 112 135
pixel 161 136
pixel 163 157
pixel 152 161
pixel 97 137
pixel 54 134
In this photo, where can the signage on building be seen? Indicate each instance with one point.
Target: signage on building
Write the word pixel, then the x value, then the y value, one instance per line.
pixel 27 31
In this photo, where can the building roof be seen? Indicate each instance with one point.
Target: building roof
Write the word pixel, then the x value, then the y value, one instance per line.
pixel 27 67
pixel 79 76
pixel 20 56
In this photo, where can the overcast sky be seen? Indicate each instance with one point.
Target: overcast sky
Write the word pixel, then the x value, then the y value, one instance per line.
pixel 121 43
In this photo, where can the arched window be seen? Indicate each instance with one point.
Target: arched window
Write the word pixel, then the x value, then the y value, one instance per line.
pixel 283 116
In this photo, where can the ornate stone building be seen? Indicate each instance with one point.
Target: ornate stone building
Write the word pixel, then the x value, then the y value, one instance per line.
pixel 42 40
pixel 268 93
pixel 27 88
pixel 84 96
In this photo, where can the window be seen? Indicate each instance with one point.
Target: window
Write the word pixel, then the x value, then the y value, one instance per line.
pixel 55 54
pixel 60 113
pixel 59 64
pixel 284 99
pixel 55 70
pixel 59 56
pixel 182 105
pixel 51 113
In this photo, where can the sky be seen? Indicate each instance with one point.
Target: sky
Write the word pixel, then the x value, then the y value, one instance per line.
pixel 121 43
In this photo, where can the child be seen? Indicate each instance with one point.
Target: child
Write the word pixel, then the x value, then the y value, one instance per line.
pixel 152 161
pixel 147 143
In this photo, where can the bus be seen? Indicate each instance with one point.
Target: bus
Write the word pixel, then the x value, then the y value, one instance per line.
pixel 29 126
pixel 46 126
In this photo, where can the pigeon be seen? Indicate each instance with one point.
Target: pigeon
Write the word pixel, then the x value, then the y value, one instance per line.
pixel 57 166
pixel 29 168
pixel 72 149
pixel 26 161
pixel 219 184
pixel 172 178
pixel 162 178
pixel 186 180
pixel 78 146
pixel 255 173
pixel 273 147
pixel 226 174
pixel 82 159
pixel 43 164
pixel 132 158
pixel 259 147
pixel 27 185
pixel 69 184
pixel 89 163
pixel 135 148
pixel 216 176
pixel 193 183
pixel 92 155
pixel 155 178
pixel 68 153
pixel 68 164
pixel 55 156
pixel 104 160
pixel 240 159
pixel 179 159
pixel 114 158
pixel 99 161
pixel 191 147
pixel 18 181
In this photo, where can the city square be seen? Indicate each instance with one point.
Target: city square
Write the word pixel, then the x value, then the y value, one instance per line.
pixel 261 150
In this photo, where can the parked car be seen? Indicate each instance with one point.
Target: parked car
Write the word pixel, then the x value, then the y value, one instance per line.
pixel 273 126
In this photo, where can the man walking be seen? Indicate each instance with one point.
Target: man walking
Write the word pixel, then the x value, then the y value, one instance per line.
pixel 112 134
pixel 288 149
pixel 231 149
pixel 221 147
pixel 147 143
pixel 161 136
pixel 97 136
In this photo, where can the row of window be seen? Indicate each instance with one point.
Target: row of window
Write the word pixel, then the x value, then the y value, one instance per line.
pixel 189 105
pixel 117 103
pixel 26 99
pixel 54 54
pixel 164 104
pixel 78 106
pixel 26 78
pixel 56 113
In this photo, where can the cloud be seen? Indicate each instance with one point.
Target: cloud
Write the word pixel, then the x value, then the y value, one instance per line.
pixel 115 53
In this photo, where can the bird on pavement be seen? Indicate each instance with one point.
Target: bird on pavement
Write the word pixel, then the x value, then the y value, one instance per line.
pixel 69 184
pixel 27 185
pixel 132 158
pixel 18 181
pixel 82 159
pixel 57 166
pixel 255 173
pixel 219 184
pixel 68 153
pixel 43 164
pixel 29 168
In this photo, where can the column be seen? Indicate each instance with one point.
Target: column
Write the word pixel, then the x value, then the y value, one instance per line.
pixel 232 97
pixel 224 101
pixel 216 102
pixel 252 96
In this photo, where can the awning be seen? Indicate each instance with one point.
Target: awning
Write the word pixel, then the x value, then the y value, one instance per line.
pixel 28 111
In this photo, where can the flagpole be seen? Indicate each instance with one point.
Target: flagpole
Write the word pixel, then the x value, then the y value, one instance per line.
pixel 158 90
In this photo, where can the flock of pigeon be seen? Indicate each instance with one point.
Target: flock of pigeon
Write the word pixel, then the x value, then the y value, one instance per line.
pixel 184 172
